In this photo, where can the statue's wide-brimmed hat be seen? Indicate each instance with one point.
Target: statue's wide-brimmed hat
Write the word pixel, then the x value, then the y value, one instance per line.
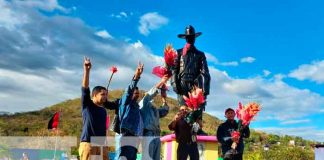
pixel 189 31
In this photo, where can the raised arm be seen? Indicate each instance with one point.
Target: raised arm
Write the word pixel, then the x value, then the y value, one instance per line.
pixel 130 89
pixel 152 92
pixel 85 97
pixel 139 70
pixel 86 72
pixel 112 105
pixel 173 124
pixel 164 110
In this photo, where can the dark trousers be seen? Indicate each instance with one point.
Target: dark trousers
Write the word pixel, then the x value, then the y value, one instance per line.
pixel 128 152
pixel 128 146
pixel 185 149
pixel 238 156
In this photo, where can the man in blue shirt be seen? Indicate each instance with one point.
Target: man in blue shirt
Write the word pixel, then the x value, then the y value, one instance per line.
pixel 93 113
pixel 151 117
pixel 131 123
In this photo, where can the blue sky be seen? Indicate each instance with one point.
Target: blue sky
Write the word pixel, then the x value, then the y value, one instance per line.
pixel 267 51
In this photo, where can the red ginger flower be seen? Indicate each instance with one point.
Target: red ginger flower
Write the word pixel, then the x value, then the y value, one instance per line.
pixel 235 134
pixel 113 69
pixel 195 100
pixel 169 55
pixel 161 71
pixel 254 108
pixel 246 113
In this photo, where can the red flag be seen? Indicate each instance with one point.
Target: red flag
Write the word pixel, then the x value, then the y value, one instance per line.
pixel 54 121
pixel 107 122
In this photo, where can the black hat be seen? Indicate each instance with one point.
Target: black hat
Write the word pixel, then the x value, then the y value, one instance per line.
pixel 189 31
pixel 229 109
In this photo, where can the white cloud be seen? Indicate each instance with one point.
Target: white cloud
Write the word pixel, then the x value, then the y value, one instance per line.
pixel 232 63
pixel 26 92
pixel 313 72
pixel 138 44
pixel 212 59
pixel 48 5
pixel 247 60
pixel 151 21
pixel 104 34
pixel 295 121
pixel 266 73
pixel 246 88
pixel 276 97
pixel 279 77
pixel 9 18
pixel 121 15
pixel 48 65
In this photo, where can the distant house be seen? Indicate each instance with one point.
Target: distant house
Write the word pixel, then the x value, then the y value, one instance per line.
pixel 2 113
pixel 266 147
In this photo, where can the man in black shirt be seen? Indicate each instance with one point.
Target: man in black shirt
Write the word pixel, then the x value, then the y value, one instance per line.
pixel 224 137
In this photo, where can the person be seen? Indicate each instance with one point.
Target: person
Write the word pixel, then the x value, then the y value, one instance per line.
pixel 131 123
pixel 187 144
pixel 93 114
pixel 191 69
pixel 25 156
pixel 224 137
pixel 151 143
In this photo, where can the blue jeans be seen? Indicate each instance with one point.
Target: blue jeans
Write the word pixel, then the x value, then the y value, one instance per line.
pixel 117 147
pixel 151 146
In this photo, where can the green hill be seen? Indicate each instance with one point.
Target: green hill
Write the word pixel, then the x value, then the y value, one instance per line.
pixel 71 120
pixel 34 123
